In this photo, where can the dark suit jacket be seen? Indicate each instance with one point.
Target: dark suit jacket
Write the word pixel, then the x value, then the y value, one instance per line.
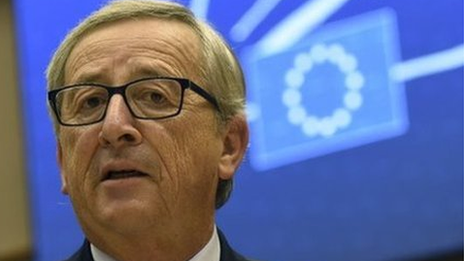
pixel 227 253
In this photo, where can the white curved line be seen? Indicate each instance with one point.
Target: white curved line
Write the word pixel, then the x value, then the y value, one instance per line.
pixel 252 18
pixel 297 25
pixel 200 8
pixel 428 64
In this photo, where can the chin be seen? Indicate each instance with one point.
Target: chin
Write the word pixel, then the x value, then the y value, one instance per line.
pixel 119 214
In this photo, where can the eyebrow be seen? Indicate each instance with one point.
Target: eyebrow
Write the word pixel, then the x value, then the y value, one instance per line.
pixel 94 76
pixel 139 71
pixel 147 71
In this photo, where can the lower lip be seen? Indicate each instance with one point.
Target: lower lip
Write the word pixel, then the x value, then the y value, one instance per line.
pixel 123 189
pixel 123 182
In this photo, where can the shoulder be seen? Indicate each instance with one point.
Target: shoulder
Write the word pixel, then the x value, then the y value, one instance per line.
pixel 83 254
pixel 227 253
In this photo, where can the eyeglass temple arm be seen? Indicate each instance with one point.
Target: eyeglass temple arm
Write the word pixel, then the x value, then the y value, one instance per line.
pixel 204 94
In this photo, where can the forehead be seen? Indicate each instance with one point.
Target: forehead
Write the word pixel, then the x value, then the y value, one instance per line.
pixel 135 46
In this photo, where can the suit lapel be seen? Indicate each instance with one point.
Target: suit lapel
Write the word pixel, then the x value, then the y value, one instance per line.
pixel 83 254
pixel 227 253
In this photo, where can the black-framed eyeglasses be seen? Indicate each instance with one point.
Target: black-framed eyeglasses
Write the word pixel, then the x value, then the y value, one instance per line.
pixel 147 98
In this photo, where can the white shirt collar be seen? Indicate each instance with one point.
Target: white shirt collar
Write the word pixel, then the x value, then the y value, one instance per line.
pixel 210 252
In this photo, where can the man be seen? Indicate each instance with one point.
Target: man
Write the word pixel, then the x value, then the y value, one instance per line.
pixel 148 107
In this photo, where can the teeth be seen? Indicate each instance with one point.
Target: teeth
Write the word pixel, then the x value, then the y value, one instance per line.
pixel 124 174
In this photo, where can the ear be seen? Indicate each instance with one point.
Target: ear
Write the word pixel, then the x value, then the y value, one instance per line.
pixel 59 157
pixel 235 143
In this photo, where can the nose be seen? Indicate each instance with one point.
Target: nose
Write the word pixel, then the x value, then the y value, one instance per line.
pixel 118 126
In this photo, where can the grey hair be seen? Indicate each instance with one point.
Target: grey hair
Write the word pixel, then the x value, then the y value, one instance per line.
pixel 220 71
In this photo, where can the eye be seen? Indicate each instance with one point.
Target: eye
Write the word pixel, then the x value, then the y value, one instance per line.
pixel 153 97
pixel 92 102
pixel 156 97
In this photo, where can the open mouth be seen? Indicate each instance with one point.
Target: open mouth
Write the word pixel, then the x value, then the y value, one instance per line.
pixel 124 174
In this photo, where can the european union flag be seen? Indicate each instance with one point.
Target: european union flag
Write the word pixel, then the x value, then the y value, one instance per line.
pixel 329 92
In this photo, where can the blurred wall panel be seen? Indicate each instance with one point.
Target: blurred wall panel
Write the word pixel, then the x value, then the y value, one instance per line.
pixel 15 242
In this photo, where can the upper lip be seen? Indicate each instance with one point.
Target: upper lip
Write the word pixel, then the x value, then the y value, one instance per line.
pixel 120 165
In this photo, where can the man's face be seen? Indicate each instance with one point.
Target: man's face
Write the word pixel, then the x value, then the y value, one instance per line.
pixel 127 175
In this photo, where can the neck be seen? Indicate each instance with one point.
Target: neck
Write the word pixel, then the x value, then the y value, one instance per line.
pixel 176 245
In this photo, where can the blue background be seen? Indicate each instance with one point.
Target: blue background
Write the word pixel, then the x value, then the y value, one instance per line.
pixel 394 199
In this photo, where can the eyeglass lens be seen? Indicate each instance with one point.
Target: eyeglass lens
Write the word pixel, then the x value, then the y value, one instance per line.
pixel 154 98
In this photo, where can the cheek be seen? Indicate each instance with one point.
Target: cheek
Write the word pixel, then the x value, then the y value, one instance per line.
pixel 78 147
pixel 195 153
